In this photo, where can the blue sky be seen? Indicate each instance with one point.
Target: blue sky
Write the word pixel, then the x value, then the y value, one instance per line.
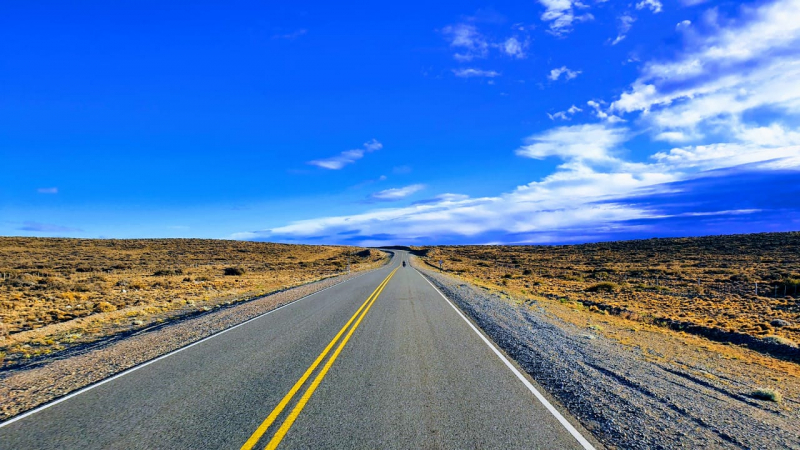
pixel 549 121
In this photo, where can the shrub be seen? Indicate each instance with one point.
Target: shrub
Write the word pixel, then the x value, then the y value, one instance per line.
pixel 780 340
pixel 167 272
pixel 767 394
pixel 234 271
pixel 605 286
pixel 81 287
pixel 104 307
pixel 527 272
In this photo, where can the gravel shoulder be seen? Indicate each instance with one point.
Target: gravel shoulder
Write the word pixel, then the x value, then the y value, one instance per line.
pixel 637 386
pixel 25 388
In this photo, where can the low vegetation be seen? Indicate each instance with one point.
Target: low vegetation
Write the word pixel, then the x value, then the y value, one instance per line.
pixel 768 394
pixel 741 289
pixel 55 293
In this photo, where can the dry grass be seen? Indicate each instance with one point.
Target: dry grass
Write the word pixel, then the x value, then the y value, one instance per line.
pixel 57 292
pixel 705 283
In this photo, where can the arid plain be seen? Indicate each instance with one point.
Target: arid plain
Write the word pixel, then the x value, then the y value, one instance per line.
pixel 57 294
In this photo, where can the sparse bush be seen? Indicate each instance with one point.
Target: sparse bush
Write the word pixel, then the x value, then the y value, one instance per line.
pixel 234 271
pixel 81 287
pixel 767 394
pixel 167 272
pixel 605 286
pixel 102 307
pixel 527 272
pixel 780 340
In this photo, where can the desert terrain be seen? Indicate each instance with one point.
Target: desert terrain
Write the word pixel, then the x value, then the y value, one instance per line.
pixel 740 289
pixel 60 293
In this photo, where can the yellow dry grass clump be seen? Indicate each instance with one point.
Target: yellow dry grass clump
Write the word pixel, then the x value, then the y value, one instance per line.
pixel 46 282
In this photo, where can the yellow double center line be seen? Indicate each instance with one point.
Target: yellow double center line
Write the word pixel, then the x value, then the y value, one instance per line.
pixel 276 439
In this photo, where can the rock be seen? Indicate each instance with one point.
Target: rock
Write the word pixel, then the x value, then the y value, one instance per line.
pixel 779 323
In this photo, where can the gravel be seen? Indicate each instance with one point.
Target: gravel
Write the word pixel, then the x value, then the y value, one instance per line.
pixel 28 387
pixel 619 392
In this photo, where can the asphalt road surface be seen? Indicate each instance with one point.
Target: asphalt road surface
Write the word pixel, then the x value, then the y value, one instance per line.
pixel 380 361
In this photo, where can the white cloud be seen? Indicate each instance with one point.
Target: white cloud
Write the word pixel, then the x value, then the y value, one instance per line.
pixel 559 115
pixel 469 73
pixel 397 193
pixel 561 15
pixel 580 193
pixel 751 64
pixel 448 197
pixel 654 5
pixel 600 114
pixel 590 190
pixel 347 157
pixel 723 155
pixel 578 142
pixel 683 25
pixel 49 190
pixel 372 145
pixel 763 49
pixel 556 73
pixel 565 115
pixel 625 22
pixel 513 47
pixel 470 43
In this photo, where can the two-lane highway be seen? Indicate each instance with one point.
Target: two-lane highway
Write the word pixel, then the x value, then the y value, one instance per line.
pixel 380 361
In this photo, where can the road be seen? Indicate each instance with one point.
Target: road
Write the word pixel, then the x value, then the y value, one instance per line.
pixel 380 361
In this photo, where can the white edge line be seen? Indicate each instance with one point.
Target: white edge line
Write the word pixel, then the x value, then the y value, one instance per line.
pixel 147 363
pixel 574 432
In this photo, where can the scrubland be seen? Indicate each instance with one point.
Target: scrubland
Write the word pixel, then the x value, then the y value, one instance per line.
pixel 741 289
pixel 59 293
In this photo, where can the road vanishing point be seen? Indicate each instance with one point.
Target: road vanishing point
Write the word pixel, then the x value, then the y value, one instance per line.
pixel 381 361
